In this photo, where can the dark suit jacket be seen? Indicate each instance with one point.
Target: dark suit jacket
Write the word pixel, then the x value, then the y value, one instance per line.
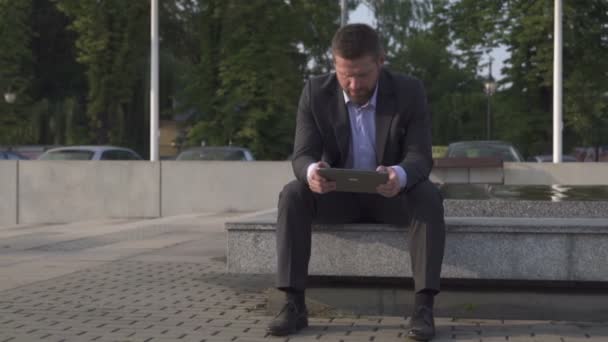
pixel 403 129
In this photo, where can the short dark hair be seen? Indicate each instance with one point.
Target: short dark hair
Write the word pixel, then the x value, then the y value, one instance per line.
pixel 354 41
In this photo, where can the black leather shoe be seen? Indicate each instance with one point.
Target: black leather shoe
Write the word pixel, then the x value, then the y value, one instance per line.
pixel 422 324
pixel 289 320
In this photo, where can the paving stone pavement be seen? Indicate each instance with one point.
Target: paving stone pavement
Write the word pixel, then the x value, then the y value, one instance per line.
pixel 159 295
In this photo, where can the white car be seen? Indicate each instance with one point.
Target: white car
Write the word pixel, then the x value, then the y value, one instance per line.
pixel 90 153
pixel 216 153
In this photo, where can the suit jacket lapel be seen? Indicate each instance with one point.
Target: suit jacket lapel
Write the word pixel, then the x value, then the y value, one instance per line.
pixel 385 111
pixel 341 123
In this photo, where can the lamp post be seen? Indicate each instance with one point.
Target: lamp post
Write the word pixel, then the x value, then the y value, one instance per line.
pixel 343 13
pixel 489 87
pixel 558 124
pixel 10 97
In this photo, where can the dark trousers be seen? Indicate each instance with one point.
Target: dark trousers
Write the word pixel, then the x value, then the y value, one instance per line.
pixel 420 210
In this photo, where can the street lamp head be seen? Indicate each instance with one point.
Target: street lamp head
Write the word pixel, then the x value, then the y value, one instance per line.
pixel 10 97
pixel 489 86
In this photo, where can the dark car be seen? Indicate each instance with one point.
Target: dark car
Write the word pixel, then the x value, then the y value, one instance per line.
pixel 11 155
pixel 216 153
pixel 592 153
pixel 484 148
pixel 31 151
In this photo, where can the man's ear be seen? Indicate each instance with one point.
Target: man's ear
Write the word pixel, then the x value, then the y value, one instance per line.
pixel 381 59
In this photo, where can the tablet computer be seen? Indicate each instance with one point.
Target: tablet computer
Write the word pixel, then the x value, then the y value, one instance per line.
pixel 350 180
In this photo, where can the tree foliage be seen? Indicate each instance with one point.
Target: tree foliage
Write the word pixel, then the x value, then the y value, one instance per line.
pixel 525 28
pixel 418 43
pixel 37 61
pixel 16 68
pixel 251 69
pixel 112 44
pixel 80 68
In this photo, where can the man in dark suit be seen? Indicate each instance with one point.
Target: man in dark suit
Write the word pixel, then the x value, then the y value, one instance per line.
pixel 362 117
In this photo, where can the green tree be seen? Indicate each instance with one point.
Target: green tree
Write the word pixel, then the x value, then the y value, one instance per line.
pixel 525 28
pixel 112 45
pixel 59 85
pixel 586 71
pixel 16 70
pixel 418 43
pixel 38 62
pixel 253 59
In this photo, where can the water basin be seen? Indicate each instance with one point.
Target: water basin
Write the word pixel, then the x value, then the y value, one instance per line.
pixel 553 193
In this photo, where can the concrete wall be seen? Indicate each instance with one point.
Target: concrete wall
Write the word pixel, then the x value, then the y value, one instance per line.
pixel 527 174
pixel 8 192
pixel 549 173
pixel 64 191
pixel 491 175
pixel 219 186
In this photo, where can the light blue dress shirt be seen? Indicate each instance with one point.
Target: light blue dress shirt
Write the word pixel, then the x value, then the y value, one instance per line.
pixel 363 136
pixel 362 154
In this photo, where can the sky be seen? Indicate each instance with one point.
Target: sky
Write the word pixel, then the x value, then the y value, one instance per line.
pixel 362 14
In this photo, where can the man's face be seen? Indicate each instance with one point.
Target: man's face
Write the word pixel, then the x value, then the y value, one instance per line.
pixel 358 77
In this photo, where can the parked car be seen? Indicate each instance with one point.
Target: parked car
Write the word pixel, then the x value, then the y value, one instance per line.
pixel 216 153
pixel 591 153
pixel 484 148
pixel 11 155
pixel 29 151
pixel 548 158
pixel 90 153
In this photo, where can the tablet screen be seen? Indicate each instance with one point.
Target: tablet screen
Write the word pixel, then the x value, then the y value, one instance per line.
pixel 351 180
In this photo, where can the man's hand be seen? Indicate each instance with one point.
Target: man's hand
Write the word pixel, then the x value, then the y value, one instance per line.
pixel 319 184
pixel 391 188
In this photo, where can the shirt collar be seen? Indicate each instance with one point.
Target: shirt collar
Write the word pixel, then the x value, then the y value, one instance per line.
pixel 371 102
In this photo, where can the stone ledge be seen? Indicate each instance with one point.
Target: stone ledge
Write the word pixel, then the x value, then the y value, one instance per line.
pixel 468 175
pixel 476 248
pixel 462 162
pixel 453 225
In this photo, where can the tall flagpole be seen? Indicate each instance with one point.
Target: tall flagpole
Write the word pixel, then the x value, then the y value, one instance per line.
pixel 557 83
pixel 343 13
pixel 154 82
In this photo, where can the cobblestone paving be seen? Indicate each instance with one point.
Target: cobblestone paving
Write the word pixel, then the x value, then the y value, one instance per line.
pixel 132 300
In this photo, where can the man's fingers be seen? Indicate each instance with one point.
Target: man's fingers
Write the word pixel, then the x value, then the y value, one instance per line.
pixel 318 183
pixel 322 165
pixel 322 186
pixel 390 189
pixel 318 178
pixel 327 186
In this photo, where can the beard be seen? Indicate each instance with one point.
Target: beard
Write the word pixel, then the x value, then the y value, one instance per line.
pixel 361 97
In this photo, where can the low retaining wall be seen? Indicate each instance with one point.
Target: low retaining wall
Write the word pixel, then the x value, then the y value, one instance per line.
pixel 8 192
pixel 189 187
pixel 549 173
pixel 65 191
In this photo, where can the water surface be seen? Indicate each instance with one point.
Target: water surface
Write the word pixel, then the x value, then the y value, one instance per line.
pixel 554 193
